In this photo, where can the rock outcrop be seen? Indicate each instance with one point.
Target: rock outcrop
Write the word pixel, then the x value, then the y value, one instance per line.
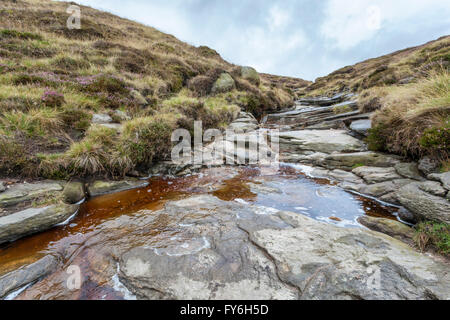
pixel 23 223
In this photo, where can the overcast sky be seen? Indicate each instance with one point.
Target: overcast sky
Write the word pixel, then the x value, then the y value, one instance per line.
pixel 301 38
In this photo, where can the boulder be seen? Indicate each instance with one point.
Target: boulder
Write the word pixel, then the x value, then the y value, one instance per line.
pixel 390 227
pixel 428 165
pixel 74 192
pixel 433 187
pixel 444 178
pixel 102 187
pixel 30 221
pixel 341 175
pixel 225 83
pixel 22 192
pixel 409 170
pixel 101 118
pixel 242 127
pixel 251 75
pixel 424 205
pixel 361 126
pixel 376 174
pixel 19 278
pixel 407 216
pixel 139 98
pixel 121 115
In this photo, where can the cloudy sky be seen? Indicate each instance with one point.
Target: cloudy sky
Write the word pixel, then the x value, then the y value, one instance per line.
pixel 301 38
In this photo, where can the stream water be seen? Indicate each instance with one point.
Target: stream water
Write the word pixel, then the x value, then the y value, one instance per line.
pixel 117 222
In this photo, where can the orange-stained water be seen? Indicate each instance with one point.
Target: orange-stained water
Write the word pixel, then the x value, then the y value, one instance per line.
pixel 100 221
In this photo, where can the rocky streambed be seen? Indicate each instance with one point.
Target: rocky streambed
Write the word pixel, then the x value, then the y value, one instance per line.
pixel 237 232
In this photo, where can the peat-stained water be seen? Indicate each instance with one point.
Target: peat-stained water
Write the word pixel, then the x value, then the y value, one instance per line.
pixel 117 219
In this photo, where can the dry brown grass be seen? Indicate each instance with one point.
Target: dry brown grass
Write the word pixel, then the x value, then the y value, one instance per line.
pixel 414 120
pixel 111 63
pixel 396 68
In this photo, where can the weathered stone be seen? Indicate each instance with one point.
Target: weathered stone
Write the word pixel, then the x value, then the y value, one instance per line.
pixel 100 118
pixel 378 189
pixel 444 178
pixel 121 115
pixel 428 165
pixel 338 263
pixel 390 227
pixel 376 174
pixel 433 187
pixel 23 223
pixel 361 126
pixel 26 192
pixel 347 161
pixel 409 170
pixel 341 175
pixel 407 216
pixel 242 127
pixel 74 192
pixel 326 141
pixel 424 205
pixel 104 187
pixel 26 275
pixel 232 252
pixel 139 98
pixel 250 74
pixel 225 83
pixel 2 186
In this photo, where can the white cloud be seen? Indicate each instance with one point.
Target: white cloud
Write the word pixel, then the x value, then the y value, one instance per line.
pixel 348 23
pixel 278 18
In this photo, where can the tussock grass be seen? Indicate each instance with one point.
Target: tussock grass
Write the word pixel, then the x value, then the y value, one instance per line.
pixel 414 120
pixel 53 79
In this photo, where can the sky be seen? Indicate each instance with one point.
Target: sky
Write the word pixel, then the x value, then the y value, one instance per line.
pixel 299 38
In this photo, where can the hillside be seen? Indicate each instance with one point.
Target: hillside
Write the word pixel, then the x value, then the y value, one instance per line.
pixel 407 94
pixel 104 99
pixel 400 67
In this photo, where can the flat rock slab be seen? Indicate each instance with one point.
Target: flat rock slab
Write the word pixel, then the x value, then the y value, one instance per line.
pixel 26 275
pixel 424 205
pixel 377 174
pixel 390 227
pixel 348 161
pixel 231 252
pixel 409 170
pixel 30 221
pixel 98 188
pixel 27 191
pixel 336 263
pixel 326 141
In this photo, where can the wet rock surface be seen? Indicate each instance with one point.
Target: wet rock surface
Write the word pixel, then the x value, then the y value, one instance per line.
pixel 280 256
pixel 22 192
pixel 98 188
pixel 23 223
pixel 229 233
pixel 390 227
pixel 74 192
pixel 27 275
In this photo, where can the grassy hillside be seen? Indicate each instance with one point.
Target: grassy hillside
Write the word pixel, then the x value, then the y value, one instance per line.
pixel 53 80
pixel 409 93
pixel 399 67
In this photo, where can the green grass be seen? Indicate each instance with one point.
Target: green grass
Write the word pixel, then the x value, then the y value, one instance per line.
pixel 433 234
